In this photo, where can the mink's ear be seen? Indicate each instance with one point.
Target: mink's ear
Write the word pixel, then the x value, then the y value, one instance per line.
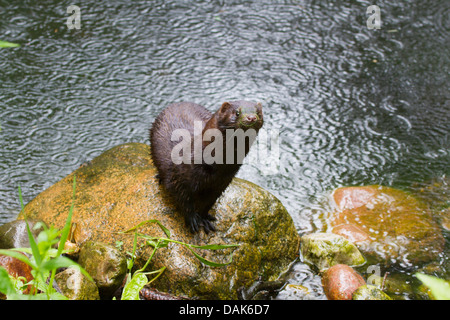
pixel 225 106
pixel 259 112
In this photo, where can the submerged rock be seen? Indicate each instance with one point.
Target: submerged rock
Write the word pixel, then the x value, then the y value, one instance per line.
pixel 401 228
pixel 392 284
pixel 294 292
pixel 324 250
pixel 105 264
pixel 368 292
pixel 118 190
pixel 340 281
pixel 351 232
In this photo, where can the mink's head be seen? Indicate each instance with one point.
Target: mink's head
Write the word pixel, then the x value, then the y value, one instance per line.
pixel 240 114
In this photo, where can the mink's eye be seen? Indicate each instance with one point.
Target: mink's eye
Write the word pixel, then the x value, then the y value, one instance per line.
pixel 238 112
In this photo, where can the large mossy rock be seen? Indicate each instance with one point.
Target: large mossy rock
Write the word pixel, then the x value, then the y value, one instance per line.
pixel 118 190
pixel 400 227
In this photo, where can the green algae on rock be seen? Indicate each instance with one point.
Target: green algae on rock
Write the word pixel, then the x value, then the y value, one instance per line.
pixel 368 292
pixel 118 190
pixel 106 264
pixel 324 250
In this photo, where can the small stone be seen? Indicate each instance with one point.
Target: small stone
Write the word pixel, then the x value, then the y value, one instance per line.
pixel 105 264
pixel 368 292
pixel 340 281
pixel 75 286
pixel 324 250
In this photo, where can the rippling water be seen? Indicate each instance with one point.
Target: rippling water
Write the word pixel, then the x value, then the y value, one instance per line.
pixel 354 106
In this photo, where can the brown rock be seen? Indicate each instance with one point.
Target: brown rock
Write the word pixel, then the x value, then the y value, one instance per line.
pixel 340 281
pixel 118 190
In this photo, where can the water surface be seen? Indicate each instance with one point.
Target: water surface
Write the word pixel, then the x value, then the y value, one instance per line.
pixel 353 106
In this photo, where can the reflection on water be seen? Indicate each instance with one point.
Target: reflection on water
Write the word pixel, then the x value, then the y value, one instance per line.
pixel 354 106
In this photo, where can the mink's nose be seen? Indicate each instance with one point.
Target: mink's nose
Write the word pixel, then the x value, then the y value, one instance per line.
pixel 250 118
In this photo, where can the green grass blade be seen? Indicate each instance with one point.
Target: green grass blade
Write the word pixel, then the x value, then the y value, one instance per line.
pixel 166 231
pixel 63 262
pixel 133 254
pixel 159 272
pixel 150 258
pixel 36 254
pixel 208 246
pixel 6 286
pixel 6 44
pixel 33 245
pixel 214 246
pixel 208 262
pixel 57 296
pixel 21 199
pixel 66 229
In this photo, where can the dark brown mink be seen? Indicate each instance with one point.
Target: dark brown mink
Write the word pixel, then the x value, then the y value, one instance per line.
pixel 196 183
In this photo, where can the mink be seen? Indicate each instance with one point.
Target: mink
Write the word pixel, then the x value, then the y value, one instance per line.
pixel 196 169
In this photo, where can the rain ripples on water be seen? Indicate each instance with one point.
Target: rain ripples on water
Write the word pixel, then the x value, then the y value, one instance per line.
pixel 353 106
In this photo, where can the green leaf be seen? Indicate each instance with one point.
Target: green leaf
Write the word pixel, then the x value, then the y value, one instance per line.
pixel 440 289
pixel 6 285
pixel 63 262
pixel 59 262
pixel 18 255
pixel 132 288
pixel 34 247
pixel 39 296
pixel 6 44
pixel 57 296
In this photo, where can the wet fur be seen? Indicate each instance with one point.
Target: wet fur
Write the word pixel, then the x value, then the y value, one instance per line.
pixel 194 187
